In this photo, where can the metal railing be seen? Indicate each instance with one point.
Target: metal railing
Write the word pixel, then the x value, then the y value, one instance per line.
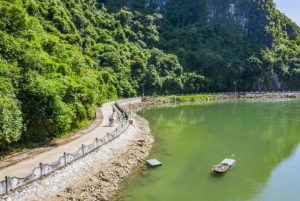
pixel 11 183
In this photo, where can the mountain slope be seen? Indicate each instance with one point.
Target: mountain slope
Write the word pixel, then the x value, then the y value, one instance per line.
pixel 227 41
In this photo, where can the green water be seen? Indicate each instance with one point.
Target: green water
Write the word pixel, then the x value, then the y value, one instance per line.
pixel 263 135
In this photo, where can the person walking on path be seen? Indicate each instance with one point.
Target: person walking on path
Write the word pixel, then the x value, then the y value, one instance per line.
pixel 123 115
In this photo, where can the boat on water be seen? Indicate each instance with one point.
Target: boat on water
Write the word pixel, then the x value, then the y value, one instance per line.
pixel 224 165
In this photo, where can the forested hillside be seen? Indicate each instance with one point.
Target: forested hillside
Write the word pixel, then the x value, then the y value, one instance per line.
pixel 60 58
pixel 226 41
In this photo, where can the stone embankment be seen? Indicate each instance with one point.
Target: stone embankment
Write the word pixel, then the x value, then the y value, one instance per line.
pixel 267 95
pixel 105 179
pixel 151 102
pixel 97 174
pixel 246 96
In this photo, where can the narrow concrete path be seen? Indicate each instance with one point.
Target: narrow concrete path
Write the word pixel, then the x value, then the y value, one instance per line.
pixel 98 129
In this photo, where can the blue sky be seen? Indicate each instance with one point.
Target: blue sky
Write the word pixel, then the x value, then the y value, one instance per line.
pixel 291 8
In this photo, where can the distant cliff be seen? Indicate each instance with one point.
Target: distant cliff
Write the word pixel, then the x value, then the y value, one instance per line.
pixel 227 40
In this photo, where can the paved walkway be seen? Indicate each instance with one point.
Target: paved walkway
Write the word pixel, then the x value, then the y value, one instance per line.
pixel 23 164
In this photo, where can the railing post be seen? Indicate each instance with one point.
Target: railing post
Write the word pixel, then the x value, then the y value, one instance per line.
pixel 83 150
pixel 66 158
pixel 97 144
pixel 42 169
pixel 7 178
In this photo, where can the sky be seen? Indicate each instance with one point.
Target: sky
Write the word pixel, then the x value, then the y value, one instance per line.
pixel 290 8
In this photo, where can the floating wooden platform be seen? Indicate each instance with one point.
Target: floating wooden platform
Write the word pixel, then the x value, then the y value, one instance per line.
pixel 153 163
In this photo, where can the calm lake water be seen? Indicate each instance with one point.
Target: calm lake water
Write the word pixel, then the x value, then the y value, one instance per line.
pixel 263 136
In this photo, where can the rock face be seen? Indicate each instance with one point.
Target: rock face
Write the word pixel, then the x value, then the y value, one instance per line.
pixel 248 16
pixel 159 4
pixel 269 81
pixel 242 14
pixel 231 11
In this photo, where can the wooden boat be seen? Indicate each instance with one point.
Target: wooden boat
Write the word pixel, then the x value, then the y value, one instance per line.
pixel 224 165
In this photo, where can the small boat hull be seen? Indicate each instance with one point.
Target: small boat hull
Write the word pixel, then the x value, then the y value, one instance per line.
pixel 220 168
pixel 223 166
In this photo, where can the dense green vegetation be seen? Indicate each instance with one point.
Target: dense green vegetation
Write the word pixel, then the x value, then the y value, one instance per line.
pixel 254 42
pixel 60 58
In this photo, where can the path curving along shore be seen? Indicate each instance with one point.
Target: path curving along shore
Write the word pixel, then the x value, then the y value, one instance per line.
pixel 126 149
pixel 96 175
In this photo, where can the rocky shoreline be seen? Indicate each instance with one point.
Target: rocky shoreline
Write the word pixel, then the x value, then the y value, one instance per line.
pixel 246 96
pixel 106 178
pixel 97 174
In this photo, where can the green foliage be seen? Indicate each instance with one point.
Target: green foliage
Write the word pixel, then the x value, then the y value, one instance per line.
pixel 13 18
pixel 11 122
pixel 60 58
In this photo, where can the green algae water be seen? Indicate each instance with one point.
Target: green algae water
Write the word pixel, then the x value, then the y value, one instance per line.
pixel 262 135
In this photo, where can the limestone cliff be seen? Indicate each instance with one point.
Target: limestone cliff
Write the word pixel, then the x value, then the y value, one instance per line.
pixel 226 41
